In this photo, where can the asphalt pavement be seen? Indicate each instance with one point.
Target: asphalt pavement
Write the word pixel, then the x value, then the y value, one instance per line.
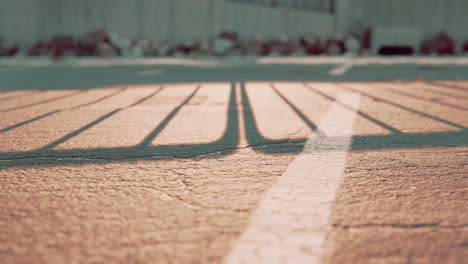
pixel 275 163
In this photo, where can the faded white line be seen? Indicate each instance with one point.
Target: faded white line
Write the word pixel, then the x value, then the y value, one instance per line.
pixel 342 69
pixel 291 221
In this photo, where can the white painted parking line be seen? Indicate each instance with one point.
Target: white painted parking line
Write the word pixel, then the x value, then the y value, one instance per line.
pixel 291 221
pixel 342 69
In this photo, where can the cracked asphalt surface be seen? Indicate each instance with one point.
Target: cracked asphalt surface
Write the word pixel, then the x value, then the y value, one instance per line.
pixel 170 172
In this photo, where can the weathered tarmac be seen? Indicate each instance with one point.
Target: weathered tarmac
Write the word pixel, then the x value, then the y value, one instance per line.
pixel 175 172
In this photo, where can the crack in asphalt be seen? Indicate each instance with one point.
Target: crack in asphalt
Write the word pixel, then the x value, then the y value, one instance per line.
pixel 193 204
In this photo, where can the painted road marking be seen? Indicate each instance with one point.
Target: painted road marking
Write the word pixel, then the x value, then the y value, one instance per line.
pixel 291 221
pixel 342 69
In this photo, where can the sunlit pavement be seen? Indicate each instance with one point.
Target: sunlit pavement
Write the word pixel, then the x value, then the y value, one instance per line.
pixel 251 164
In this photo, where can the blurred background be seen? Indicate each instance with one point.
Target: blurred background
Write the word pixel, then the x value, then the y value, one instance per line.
pixel 232 27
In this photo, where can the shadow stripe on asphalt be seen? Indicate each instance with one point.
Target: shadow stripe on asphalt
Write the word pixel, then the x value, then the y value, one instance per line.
pixel 404 107
pixel 42 102
pixel 18 96
pixel 225 146
pixel 99 120
pixel 412 96
pixel 360 113
pixel 58 111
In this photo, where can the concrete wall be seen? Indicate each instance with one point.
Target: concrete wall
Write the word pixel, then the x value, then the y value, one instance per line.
pixel 431 16
pixel 26 21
